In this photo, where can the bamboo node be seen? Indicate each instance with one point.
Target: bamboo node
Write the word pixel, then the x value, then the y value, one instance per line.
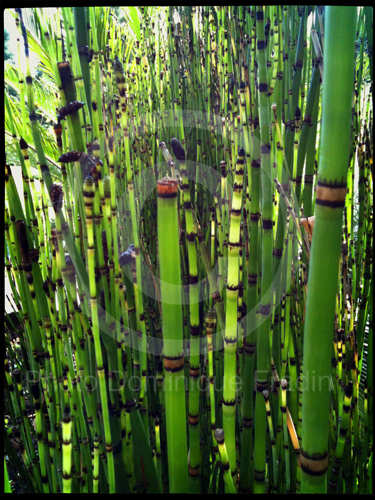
pixel 331 195
pixel 173 364
pixel 314 465
pixel 167 187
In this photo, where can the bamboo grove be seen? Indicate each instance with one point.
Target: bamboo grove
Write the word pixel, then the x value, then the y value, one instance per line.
pixel 196 316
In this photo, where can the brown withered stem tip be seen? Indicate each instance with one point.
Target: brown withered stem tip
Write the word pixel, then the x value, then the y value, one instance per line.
pixel 308 224
pixel 167 187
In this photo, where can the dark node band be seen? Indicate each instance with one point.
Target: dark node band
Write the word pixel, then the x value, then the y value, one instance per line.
pixel 332 184
pixel 247 422
pixel 267 224
pixel 235 212
pixel 194 471
pixel 261 386
pixel 173 364
pixel 238 186
pixel 261 44
pixel 315 465
pixel 252 279
pixel 193 280
pixel 229 403
pixel 331 204
pixel 194 330
pixel 255 217
pixel 265 310
pixel 259 475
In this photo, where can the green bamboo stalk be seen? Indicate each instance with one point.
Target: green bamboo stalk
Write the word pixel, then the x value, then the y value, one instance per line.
pixel 7 487
pixel 330 200
pixel 263 355
pixel 219 436
pixel 80 22
pixel 230 337
pixel 35 390
pixel 28 430
pixel 335 470
pixel 194 463
pixel 67 450
pixel 284 384
pixel 170 276
pixel 272 441
pixel 89 194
